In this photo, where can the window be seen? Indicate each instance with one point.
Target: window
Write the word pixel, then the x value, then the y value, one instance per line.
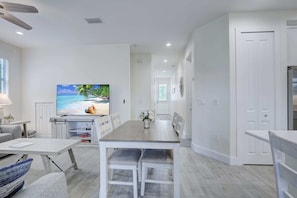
pixel 3 75
pixel 162 92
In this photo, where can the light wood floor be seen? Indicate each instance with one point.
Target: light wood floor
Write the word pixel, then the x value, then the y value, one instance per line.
pixel 200 177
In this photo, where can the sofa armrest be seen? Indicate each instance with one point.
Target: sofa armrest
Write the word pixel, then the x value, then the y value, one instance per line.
pixel 48 186
pixel 16 130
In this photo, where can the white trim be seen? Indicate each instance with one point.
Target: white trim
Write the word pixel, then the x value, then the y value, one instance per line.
pixel 231 160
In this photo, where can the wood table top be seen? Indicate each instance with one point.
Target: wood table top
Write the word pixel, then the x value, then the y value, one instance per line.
pixel 133 130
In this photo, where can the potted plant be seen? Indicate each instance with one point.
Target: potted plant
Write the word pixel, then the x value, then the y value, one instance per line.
pixel 147 117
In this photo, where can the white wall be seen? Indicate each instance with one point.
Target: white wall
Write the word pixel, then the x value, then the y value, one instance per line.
pixel 210 128
pixel 292 46
pixel 178 102
pixel 141 83
pixel 214 101
pixel 44 68
pixel 14 56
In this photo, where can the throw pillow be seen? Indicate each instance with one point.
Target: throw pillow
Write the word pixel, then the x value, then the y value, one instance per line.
pixel 12 177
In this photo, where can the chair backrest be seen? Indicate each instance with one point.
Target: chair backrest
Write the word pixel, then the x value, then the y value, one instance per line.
pixel 115 119
pixel 174 119
pixel 179 125
pixel 284 153
pixel 103 126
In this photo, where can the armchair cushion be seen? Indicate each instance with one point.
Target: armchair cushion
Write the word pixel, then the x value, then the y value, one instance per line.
pixel 12 177
pixel 5 137
pixel 15 130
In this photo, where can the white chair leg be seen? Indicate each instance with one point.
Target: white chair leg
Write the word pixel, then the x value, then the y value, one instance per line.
pixel 143 178
pixel 139 171
pixel 135 183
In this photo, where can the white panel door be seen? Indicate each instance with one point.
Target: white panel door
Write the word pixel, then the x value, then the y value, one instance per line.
pixel 163 95
pixel 43 112
pixel 255 68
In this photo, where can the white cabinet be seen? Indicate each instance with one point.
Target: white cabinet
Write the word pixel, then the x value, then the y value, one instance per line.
pixel 80 127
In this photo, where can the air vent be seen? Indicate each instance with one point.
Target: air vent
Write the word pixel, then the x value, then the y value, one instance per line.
pixel 291 22
pixel 93 20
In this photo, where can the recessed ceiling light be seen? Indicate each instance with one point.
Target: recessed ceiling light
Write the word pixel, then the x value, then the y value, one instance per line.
pixel 19 33
pixel 168 44
pixel 165 61
pixel 163 71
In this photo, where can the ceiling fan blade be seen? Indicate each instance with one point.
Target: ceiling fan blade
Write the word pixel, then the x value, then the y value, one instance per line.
pixel 16 7
pixel 12 19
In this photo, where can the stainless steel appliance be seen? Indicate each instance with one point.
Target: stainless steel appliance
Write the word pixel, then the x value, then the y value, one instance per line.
pixel 292 97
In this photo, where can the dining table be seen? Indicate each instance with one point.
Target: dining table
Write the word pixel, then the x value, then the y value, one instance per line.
pixel 132 134
pixel 290 135
pixel 264 135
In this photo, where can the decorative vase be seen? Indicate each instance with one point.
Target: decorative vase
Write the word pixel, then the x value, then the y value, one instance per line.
pixel 146 123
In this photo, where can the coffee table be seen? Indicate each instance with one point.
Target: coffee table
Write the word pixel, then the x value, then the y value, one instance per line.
pixel 45 147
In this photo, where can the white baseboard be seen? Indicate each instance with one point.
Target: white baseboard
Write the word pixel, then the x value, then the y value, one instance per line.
pixel 215 155
pixel 185 142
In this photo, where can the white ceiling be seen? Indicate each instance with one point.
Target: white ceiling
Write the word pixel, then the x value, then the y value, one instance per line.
pixel 144 24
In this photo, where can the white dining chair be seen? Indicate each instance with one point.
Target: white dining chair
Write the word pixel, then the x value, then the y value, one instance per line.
pixel 174 119
pixel 179 125
pixel 284 153
pixel 103 126
pixel 115 119
pixel 158 159
pixel 120 159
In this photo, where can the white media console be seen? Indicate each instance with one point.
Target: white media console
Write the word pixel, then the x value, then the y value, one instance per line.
pixel 75 127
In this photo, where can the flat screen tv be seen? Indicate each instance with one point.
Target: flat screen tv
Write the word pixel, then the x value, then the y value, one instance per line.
pixel 82 99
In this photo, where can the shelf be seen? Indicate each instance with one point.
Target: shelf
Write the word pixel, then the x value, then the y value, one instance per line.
pixel 80 134
pixel 80 131
pixel 75 128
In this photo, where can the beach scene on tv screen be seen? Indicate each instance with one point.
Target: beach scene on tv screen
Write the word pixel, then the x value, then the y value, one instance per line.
pixel 83 99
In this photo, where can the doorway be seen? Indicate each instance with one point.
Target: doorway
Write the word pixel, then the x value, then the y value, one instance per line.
pixel 162 96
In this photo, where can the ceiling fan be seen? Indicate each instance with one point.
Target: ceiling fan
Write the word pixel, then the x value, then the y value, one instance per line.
pixel 15 7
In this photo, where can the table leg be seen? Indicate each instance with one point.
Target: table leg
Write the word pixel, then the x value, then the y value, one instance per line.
pixel 24 157
pixel 176 159
pixel 71 155
pixel 25 130
pixel 46 163
pixel 103 170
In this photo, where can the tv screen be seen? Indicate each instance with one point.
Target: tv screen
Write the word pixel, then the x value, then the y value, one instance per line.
pixel 83 99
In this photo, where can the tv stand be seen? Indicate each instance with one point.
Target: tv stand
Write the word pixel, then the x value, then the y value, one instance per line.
pixel 75 127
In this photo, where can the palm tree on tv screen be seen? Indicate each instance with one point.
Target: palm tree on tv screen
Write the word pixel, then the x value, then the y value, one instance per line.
pixel 98 91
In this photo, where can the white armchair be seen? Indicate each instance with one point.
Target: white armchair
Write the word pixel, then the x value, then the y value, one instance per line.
pixel 9 132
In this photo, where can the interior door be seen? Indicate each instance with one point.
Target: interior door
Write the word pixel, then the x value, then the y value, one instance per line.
pixel 43 112
pixel 163 96
pixel 255 93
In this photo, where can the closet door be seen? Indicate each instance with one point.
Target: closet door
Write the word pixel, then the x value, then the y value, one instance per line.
pixel 255 67
pixel 43 112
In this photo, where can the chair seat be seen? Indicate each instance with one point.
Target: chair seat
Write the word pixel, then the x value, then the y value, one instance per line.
pixel 157 156
pixel 125 157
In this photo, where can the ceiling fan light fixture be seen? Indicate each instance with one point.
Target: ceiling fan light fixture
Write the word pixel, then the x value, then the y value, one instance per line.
pixel 93 20
pixel 6 8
